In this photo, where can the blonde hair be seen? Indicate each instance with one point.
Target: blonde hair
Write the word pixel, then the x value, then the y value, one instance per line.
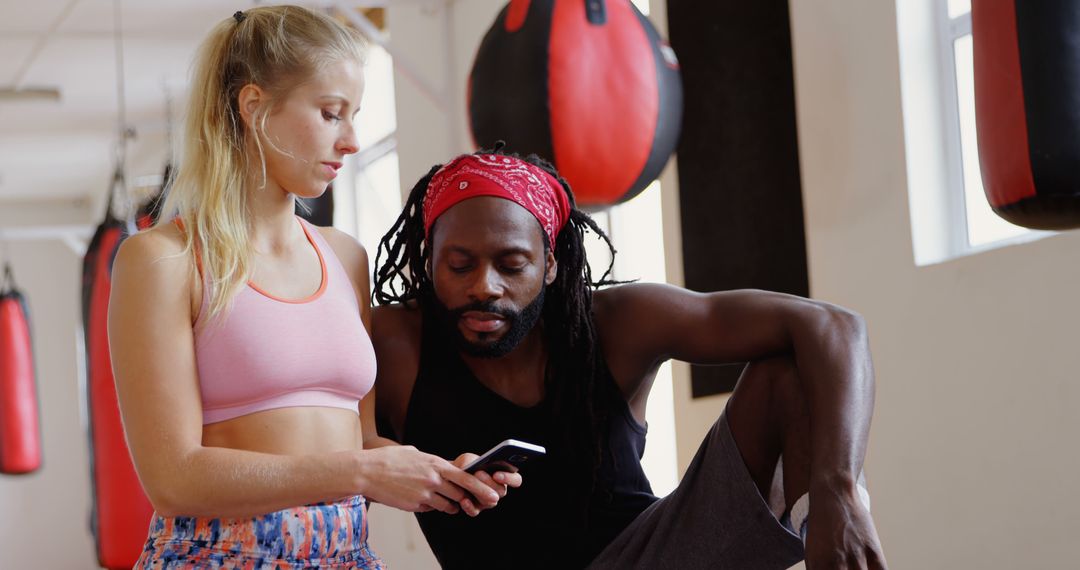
pixel 276 48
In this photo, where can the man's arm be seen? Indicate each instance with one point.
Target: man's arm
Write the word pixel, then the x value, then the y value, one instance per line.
pixel 641 326
pixel 395 334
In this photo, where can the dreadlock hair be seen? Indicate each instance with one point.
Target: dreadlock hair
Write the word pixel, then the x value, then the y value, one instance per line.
pixel 575 385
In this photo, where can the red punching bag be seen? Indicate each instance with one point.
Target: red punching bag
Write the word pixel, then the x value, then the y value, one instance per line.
pixel 121 514
pixel 588 85
pixel 20 428
pixel 1027 109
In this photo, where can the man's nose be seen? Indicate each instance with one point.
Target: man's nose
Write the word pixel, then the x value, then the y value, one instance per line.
pixel 487 286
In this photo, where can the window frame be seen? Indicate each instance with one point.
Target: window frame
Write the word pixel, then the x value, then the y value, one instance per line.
pixel 949 31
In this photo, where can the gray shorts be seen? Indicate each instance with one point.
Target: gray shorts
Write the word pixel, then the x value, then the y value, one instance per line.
pixel 715 518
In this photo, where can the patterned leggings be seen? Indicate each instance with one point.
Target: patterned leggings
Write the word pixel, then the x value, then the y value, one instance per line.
pixel 323 535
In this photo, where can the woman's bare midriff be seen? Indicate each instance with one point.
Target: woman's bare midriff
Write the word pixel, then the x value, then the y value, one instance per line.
pixel 288 431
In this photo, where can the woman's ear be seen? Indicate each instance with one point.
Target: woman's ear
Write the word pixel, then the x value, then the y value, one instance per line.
pixel 250 98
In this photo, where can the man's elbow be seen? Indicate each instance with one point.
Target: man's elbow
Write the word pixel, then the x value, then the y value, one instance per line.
pixel 846 324
pixel 850 320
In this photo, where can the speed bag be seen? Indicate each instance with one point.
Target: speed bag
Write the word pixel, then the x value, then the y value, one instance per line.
pixel 121 513
pixel 1027 109
pixel 589 86
pixel 20 428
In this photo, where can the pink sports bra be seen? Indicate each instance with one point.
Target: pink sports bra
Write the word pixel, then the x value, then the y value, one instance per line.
pixel 267 352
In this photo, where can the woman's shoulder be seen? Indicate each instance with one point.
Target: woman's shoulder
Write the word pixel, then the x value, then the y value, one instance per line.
pixel 349 251
pixel 160 249
pixel 341 240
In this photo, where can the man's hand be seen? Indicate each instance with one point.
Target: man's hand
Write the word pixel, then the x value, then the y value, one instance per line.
pixel 499 482
pixel 841 534
pixel 403 477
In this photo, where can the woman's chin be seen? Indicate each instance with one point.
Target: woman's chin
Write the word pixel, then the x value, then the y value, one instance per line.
pixel 312 192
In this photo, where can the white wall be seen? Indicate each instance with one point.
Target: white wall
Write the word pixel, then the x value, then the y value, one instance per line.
pixel 44 517
pixel 972 457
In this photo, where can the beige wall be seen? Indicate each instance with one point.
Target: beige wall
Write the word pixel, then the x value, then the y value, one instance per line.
pixel 972 458
pixel 44 517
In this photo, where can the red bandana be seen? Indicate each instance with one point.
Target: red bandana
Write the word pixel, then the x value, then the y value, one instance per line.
pixel 472 175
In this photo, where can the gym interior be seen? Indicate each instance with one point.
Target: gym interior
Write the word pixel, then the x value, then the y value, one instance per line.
pixel 825 149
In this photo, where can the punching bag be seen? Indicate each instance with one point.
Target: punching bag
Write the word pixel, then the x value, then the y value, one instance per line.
pixel 121 513
pixel 1027 109
pixel 20 428
pixel 589 86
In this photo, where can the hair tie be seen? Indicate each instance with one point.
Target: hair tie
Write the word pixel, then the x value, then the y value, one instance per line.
pixel 239 16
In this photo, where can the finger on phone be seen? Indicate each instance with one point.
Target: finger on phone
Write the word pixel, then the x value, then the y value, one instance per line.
pixel 499 488
pixel 469 508
pixel 484 494
pixel 465 459
pixel 508 479
pixel 440 503
pixel 451 492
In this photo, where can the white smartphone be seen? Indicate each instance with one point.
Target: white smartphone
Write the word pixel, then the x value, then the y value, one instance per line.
pixel 510 455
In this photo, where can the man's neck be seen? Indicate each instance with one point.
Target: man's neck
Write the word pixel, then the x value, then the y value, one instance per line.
pixel 517 376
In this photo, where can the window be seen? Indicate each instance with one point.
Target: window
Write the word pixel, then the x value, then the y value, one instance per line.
pixel 636 228
pixel 950 216
pixel 981 226
pixel 369 197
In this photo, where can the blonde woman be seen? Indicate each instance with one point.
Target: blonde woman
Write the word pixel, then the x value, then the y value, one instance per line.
pixel 239 332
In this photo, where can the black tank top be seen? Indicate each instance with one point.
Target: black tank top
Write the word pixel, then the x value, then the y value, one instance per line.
pixel 450 412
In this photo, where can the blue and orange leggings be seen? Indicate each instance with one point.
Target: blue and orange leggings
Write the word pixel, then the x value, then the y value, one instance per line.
pixel 324 535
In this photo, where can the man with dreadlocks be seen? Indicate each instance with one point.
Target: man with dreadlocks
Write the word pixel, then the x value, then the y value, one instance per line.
pixel 491 327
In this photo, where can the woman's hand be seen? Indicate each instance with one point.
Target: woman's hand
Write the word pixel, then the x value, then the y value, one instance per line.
pixel 500 481
pixel 405 478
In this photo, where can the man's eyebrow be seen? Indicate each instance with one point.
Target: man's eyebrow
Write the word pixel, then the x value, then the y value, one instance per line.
pixel 511 250
pixel 514 250
pixel 459 249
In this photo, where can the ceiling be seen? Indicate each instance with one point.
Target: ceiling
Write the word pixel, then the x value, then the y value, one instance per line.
pixel 66 149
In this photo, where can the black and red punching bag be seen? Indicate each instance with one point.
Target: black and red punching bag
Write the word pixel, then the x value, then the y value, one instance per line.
pixel 20 427
pixel 587 85
pixel 121 513
pixel 1027 109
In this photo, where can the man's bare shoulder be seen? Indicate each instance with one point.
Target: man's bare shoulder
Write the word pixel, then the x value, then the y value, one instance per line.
pixel 633 304
pixel 396 329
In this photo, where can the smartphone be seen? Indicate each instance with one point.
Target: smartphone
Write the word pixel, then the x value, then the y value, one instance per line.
pixel 510 455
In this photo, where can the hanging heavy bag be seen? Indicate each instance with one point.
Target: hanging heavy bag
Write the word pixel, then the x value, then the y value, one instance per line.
pixel 121 512
pixel 589 86
pixel 1027 109
pixel 20 428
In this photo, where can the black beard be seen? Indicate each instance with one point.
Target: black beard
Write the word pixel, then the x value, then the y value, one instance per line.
pixel 521 322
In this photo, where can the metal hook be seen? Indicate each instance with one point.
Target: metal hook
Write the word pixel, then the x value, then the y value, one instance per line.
pixel 8 279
